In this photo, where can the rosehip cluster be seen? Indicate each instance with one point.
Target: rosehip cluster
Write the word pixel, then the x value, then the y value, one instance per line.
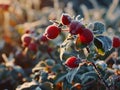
pixel 30 41
pixel 75 28
pixel 116 42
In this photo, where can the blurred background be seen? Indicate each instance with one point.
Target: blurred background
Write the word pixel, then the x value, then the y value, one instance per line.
pixel 19 16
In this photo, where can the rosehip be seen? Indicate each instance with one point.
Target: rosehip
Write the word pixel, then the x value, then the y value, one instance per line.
pixel 76 27
pixel 26 39
pixel 116 42
pixel 32 46
pixel 65 19
pixel 72 62
pixel 43 38
pixel 52 32
pixel 86 37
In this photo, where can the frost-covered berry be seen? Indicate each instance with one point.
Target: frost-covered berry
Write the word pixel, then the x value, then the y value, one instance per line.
pixel 26 39
pixel 66 19
pixel 116 42
pixel 72 62
pixel 76 27
pixel 52 31
pixel 86 37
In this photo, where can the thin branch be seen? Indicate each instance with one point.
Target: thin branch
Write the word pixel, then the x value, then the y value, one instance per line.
pixel 112 8
pixel 100 76
pixel 113 55
pixel 85 12
pixel 5 57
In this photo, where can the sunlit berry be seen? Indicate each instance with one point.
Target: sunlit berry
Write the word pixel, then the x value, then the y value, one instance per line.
pixel 72 62
pixel 26 39
pixel 66 19
pixel 76 27
pixel 116 42
pixel 52 31
pixel 86 37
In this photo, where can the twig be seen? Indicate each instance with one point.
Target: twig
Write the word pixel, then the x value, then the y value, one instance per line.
pixel 89 83
pixel 85 12
pixel 95 4
pixel 112 8
pixel 5 57
pixel 113 55
pixel 100 76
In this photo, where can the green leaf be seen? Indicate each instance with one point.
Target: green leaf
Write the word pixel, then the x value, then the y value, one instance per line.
pixel 50 62
pixel 38 88
pixel 70 75
pixel 88 76
pixel 103 44
pixel 99 28
pixel 66 44
pixel 39 66
pixel 60 77
pixel 66 85
pixel 46 86
pixel 56 68
pixel 18 69
pixel 28 86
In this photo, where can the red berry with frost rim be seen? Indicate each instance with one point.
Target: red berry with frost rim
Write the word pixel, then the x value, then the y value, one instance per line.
pixel 76 27
pixel 26 39
pixel 116 42
pixel 86 37
pixel 32 46
pixel 66 19
pixel 43 38
pixel 52 31
pixel 72 62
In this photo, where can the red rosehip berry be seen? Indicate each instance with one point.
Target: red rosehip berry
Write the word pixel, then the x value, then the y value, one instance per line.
pixel 32 46
pixel 66 19
pixel 72 62
pixel 52 32
pixel 116 42
pixel 86 37
pixel 43 38
pixel 76 27
pixel 26 39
